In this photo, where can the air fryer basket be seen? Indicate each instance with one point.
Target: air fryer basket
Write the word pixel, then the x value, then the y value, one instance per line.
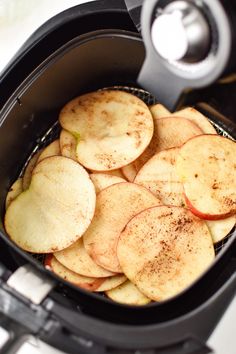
pixel 99 59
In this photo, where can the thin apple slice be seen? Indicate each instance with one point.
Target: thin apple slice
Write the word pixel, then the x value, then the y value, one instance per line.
pixel 159 111
pixel 102 181
pixel 128 294
pixel 163 250
pixel 219 229
pixel 114 128
pixel 129 171
pixel 159 176
pixel 116 173
pixel 168 133
pixel 115 206
pixel 15 190
pixel 88 283
pixel 196 117
pixel 68 144
pixel 111 283
pixel 77 259
pixel 206 166
pixel 28 170
pixel 55 210
pixel 52 149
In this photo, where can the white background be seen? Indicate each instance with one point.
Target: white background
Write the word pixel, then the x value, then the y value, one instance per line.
pixel 18 19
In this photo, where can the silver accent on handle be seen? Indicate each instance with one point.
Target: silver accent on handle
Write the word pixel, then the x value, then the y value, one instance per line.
pixel 30 283
pixel 181 32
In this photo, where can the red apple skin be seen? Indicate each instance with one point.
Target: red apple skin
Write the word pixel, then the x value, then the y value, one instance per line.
pixel 87 286
pixel 206 216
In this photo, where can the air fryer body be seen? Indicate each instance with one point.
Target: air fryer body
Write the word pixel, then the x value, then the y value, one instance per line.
pixel 89 47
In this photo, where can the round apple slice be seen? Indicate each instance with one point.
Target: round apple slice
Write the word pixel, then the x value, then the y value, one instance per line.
pixel 128 294
pixel 55 210
pixel 68 145
pixel 159 111
pixel 111 282
pixel 77 259
pixel 129 172
pixel 52 149
pixel 102 181
pixel 114 128
pixel 159 176
pixel 115 206
pixel 206 166
pixel 28 170
pixel 219 229
pixel 90 284
pixel 168 132
pixel 196 117
pixel 162 250
pixel 15 190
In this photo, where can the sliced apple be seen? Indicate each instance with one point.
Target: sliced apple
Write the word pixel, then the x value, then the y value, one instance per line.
pixel 102 181
pixel 159 111
pixel 219 229
pixel 88 283
pixel 163 250
pixel 128 294
pixel 28 170
pixel 113 128
pixel 207 167
pixel 14 191
pixel 196 117
pixel 111 283
pixel 159 176
pixel 115 206
pixel 116 173
pixel 55 210
pixel 129 171
pixel 77 259
pixel 52 149
pixel 168 133
pixel 68 144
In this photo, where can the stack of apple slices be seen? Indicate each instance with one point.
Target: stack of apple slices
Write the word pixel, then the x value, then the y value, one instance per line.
pixel 129 200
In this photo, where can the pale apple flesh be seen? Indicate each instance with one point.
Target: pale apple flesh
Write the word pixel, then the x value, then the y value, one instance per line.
pixel 206 167
pixel 55 210
pixel 163 250
pixel 115 206
pixel 103 180
pixel 114 128
pixel 15 190
pixel 128 294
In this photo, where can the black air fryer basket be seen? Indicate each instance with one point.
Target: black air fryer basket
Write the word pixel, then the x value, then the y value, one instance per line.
pixel 89 47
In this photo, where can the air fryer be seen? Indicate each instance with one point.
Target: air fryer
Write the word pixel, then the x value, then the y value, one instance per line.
pixel 89 47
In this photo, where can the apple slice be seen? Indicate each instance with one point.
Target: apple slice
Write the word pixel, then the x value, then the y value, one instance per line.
pixel 77 260
pixel 111 283
pixel 116 173
pixel 129 171
pixel 159 111
pixel 55 210
pixel 206 166
pixel 68 144
pixel 87 283
pixel 159 176
pixel 196 117
pixel 102 181
pixel 115 206
pixel 128 294
pixel 168 133
pixel 113 128
pixel 28 170
pixel 163 250
pixel 52 149
pixel 219 229
pixel 15 190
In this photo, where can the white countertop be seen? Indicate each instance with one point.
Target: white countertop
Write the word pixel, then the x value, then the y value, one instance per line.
pixel 18 19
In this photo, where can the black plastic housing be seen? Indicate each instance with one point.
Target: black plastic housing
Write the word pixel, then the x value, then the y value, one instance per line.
pixel 88 47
